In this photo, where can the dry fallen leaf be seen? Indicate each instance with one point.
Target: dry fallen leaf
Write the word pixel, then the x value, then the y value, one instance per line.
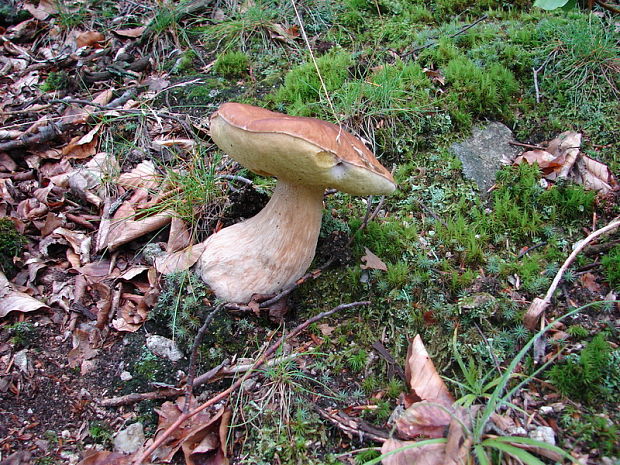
pixel 199 437
pixel 131 33
pixel 429 454
pixel 562 159
pixel 15 301
pixel 372 262
pixel 180 260
pixel 88 39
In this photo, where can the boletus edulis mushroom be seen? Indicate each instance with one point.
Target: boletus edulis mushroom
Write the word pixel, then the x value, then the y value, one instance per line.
pixel 273 249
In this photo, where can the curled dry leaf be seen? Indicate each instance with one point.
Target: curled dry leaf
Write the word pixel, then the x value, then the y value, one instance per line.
pixel 429 454
pixel 180 260
pixel 202 437
pixel 15 301
pixel 430 417
pixel 104 457
pixel 372 261
pixel 82 350
pixel 83 147
pixel 131 33
pixel 89 38
pixel 562 159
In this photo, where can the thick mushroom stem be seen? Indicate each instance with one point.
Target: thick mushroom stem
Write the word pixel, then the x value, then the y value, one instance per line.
pixel 269 251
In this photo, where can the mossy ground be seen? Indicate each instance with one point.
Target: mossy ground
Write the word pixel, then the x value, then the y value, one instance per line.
pixel 411 78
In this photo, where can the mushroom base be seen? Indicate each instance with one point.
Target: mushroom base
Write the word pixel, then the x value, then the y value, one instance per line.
pixel 269 251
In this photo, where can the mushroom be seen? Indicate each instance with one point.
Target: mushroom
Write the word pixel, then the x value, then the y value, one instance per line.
pixel 273 249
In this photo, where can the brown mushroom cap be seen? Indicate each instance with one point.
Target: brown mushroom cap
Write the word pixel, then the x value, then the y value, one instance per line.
pixel 302 150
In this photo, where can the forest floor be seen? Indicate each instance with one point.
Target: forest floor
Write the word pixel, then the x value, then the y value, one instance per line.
pixel 109 181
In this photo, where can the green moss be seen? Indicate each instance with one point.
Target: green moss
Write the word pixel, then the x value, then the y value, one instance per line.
pixel 302 87
pixel 611 267
pixel 581 377
pixel 232 64
pixel 479 90
pixel 11 246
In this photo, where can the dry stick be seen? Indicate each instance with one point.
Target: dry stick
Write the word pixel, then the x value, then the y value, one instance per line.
pixel 457 33
pixel 270 351
pixel 219 371
pixel 607 6
pixel 539 305
pixel 52 130
pixel 191 374
pixel 527 146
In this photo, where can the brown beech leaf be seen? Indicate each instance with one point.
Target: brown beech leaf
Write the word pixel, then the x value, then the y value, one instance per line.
pixel 43 10
pixel 588 280
pixel 422 376
pixel 372 261
pixel 15 301
pixel 594 175
pixel 82 350
pixel 83 147
pixel 422 419
pixel 429 454
pixel 131 33
pixel 179 237
pixel 180 260
pixel 104 457
pixel 88 39
pixel 199 437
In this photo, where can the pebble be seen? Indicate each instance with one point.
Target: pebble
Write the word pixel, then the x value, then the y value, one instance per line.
pixel 544 434
pixel 545 409
pixel 126 376
pixel 129 440
pixel 164 347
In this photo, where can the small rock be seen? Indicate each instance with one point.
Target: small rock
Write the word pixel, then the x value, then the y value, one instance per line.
pixel 544 434
pixel 485 152
pixel 545 409
pixel 516 431
pixel 71 458
pixel 126 376
pixel 164 347
pixel 21 361
pixel 130 439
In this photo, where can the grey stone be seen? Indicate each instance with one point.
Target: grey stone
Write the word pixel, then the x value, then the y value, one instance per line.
pixel 485 152
pixel 544 434
pixel 130 439
pixel 164 347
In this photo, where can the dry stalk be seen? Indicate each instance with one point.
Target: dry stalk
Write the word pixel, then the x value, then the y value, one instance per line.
pixel 538 306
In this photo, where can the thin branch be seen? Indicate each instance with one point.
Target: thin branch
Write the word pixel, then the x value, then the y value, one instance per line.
pixel 143 457
pixel 189 386
pixel 538 306
pixel 457 33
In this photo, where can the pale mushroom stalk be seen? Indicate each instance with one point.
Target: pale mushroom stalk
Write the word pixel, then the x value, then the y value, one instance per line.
pixel 271 250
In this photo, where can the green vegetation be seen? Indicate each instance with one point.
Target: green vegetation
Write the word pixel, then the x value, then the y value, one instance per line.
pixel 11 246
pixel 611 267
pixel 232 64
pixel 22 334
pixel 583 377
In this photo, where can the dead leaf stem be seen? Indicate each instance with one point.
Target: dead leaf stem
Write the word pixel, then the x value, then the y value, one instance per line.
pixel 538 305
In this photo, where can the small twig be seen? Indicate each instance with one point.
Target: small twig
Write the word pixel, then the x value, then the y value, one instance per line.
pixel 353 426
pixel 189 385
pixel 529 249
pixel 457 33
pixel 527 146
pixel 538 306
pixel 231 177
pixel 607 6
pixel 143 457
